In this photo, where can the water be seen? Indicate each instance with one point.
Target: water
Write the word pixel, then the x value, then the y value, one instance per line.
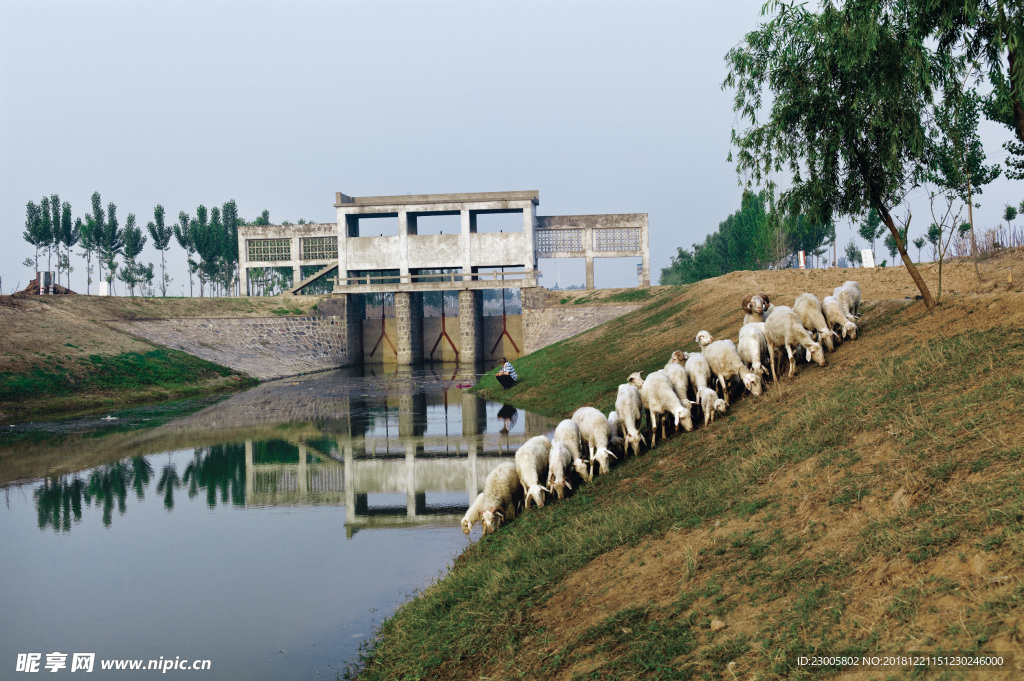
pixel 268 532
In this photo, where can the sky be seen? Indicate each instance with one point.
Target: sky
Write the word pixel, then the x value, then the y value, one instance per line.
pixel 604 107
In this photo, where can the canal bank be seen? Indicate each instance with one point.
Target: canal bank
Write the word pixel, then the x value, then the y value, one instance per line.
pixel 858 508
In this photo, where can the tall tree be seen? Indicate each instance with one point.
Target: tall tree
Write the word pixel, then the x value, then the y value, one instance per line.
pixel 87 232
pixel 231 222
pixel 204 244
pixel 957 157
pixel 70 233
pixel 47 232
pixel 112 243
pixel 183 235
pixel 849 90
pixel 161 234
pixel 98 219
pixel 872 228
pixel 34 233
pixel 134 240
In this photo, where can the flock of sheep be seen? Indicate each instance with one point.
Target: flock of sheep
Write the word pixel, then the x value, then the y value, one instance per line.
pixel 547 466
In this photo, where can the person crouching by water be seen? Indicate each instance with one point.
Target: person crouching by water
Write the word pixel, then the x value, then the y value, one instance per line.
pixel 507 374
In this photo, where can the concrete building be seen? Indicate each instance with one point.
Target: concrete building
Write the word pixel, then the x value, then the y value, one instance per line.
pixel 408 263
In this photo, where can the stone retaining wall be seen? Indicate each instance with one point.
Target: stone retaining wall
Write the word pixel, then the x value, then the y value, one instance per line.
pixel 262 347
pixel 548 325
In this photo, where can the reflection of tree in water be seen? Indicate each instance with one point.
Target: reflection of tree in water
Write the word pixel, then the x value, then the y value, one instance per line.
pixel 221 467
pixel 59 499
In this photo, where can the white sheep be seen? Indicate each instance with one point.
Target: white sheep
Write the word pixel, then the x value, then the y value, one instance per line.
pixel 725 362
pixel 502 493
pixel 710 403
pixel 532 465
pixel 704 338
pixel 629 406
pixel 851 297
pixel 616 443
pixel 808 309
pixel 755 306
pixel 753 347
pixel 568 433
pixel 595 432
pixel 698 371
pixel 659 398
pixel 836 319
pixel 559 467
pixel 677 374
pixel 783 328
pixel 472 516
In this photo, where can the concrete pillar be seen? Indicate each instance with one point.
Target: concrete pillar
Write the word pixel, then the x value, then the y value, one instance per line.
pixel 471 327
pixel 645 258
pixel 412 413
pixel 529 224
pixel 343 235
pixel 403 245
pixel 243 266
pixel 348 482
pixel 410 480
pixel 303 473
pixel 468 227
pixel 474 414
pixel 409 323
pixel 296 262
pixel 590 272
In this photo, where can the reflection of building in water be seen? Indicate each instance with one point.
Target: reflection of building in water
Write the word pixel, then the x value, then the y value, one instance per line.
pixel 439 469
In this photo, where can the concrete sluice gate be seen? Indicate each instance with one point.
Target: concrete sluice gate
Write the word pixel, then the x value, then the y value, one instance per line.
pixel 378 283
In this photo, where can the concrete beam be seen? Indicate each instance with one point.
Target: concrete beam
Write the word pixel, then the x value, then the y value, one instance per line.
pixel 350 202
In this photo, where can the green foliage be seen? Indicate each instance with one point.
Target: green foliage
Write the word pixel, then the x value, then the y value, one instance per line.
pixel 853 254
pixel 134 273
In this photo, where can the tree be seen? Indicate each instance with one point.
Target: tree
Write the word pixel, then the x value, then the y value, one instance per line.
pixel 98 221
pixel 70 233
pixel 989 35
pixel 87 232
pixel 161 234
pixel 183 235
pixel 34 233
pixel 55 217
pixel 849 89
pixel 872 228
pixel 112 242
pixel 134 240
pixel 919 242
pixel 956 153
pixel 1009 214
pixel 46 231
pixel 205 244
pixel 231 223
pixel 853 254
pixel 938 228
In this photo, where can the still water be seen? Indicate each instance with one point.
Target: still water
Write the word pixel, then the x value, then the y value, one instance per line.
pixel 268 533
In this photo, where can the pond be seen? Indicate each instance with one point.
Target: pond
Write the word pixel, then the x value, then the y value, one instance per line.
pixel 267 533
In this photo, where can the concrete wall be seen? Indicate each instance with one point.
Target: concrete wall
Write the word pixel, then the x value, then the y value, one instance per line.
pixel 259 346
pixel 444 352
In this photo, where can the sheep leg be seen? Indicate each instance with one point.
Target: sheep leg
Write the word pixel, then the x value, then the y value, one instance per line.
pixel 771 359
pixel 792 361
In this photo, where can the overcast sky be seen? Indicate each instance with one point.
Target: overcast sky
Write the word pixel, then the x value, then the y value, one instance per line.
pixel 603 107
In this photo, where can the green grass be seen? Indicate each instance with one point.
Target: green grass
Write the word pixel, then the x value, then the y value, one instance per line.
pixel 937 404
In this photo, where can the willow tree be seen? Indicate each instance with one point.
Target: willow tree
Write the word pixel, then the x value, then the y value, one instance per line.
pixel 847 92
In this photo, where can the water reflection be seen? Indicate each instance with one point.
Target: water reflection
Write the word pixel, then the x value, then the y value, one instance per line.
pixel 396 450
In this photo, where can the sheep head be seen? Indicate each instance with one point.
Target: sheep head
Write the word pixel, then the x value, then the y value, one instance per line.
pixel 704 338
pixel 635 380
pixel 583 470
pixel 679 357
pixel 683 418
pixel 752 382
pixel 466 526
pixel 827 339
pixel 850 329
pixel 721 406
pixel 816 353
pixel 491 520
pixel 602 457
pixel 535 492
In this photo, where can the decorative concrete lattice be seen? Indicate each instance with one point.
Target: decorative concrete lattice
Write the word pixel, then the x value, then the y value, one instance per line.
pixel 620 239
pixel 270 250
pixel 559 241
pixel 319 247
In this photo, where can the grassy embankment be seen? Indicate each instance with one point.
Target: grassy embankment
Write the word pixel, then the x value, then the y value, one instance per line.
pixel 871 506
pixel 60 356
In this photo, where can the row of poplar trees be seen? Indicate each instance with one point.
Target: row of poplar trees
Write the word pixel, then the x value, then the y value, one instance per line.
pixel 209 239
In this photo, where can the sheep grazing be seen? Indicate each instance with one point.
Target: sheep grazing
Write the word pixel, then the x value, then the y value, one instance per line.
pixel 472 516
pixel 698 371
pixel 808 308
pixel 568 433
pixel 659 397
pixel 704 338
pixel 753 347
pixel 616 443
pixel 851 297
pixel 502 493
pixel 755 306
pixel 532 466
pixel 848 296
pixel 677 374
pixel 559 467
pixel 629 408
pixel 710 403
pixel 595 432
pixel 837 320
pixel 783 328
pixel 725 362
